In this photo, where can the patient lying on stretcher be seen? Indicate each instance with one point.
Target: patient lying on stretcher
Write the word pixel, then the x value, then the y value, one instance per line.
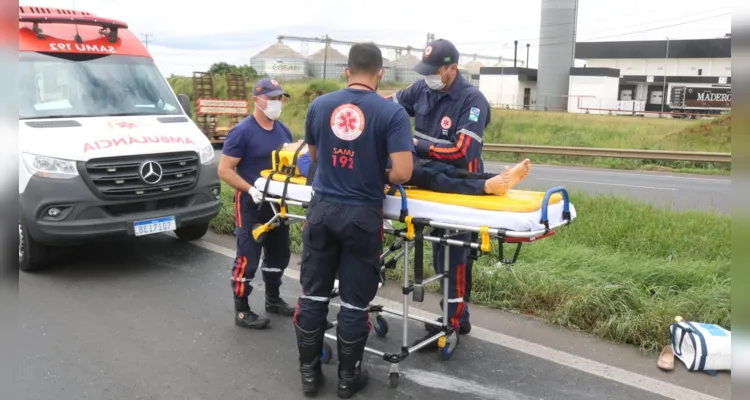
pixel 444 178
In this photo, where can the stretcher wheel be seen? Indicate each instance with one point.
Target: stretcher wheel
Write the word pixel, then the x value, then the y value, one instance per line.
pixel 393 378
pixel 326 353
pixel 446 352
pixel 260 237
pixel 447 345
pixel 381 326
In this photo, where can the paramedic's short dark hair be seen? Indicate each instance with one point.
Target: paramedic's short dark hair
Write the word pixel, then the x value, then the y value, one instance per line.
pixel 365 58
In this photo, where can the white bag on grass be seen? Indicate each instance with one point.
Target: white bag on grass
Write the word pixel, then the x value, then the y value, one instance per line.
pixel 702 347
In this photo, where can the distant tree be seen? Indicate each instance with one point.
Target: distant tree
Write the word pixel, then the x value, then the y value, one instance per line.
pixel 222 68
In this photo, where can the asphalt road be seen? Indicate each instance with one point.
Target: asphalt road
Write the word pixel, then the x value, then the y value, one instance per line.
pixel 151 318
pixel 679 192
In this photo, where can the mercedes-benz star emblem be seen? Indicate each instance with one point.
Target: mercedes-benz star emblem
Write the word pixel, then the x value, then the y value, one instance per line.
pixel 151 172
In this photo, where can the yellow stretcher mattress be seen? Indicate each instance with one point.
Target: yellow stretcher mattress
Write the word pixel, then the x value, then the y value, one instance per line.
pixel 518 201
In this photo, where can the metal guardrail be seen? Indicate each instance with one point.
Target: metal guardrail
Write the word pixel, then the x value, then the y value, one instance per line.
pixel 615 153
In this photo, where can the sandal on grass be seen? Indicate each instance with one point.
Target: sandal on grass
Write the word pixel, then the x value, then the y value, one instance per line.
pixel 666 359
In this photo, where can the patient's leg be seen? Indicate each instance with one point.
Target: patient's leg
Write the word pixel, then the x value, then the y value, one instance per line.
pixel 508 179
pixel 438 181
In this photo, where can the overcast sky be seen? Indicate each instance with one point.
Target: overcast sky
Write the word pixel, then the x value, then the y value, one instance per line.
pixel 187 36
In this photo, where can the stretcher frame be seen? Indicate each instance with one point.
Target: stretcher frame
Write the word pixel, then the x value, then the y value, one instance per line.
pixel 413 235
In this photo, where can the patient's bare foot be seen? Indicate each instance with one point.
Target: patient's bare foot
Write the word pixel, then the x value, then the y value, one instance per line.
pixel 498 184
pixel 519 172
pixel 501 183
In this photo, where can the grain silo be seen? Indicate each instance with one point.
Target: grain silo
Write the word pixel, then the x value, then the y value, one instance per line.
pixel 557 34
pixel 280 61
pixel 473 66
pixel 389 75
pixel 332 64
pixel 404 71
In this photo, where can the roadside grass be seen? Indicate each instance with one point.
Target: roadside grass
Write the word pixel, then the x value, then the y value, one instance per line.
pixel 622 271
pixel 547 128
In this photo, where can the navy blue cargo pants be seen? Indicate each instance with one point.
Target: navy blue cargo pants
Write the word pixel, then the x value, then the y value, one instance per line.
pixel 459 274
pixel 344 239
pixel 276 246
pixel 445 178
pixel 441 177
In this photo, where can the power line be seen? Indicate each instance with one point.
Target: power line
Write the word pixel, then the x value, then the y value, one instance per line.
pixel 641 31
pixel 602 30
pixel 628 33
pixel 618 17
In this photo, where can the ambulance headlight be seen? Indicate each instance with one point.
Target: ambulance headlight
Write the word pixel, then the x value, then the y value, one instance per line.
pixel 207 155
pixel 48 167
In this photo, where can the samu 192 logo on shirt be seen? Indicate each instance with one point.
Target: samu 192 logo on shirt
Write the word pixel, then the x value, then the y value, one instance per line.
pixel 474 114
pixel 347 122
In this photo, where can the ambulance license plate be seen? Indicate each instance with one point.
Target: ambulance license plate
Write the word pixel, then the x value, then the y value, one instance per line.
pixel 152 226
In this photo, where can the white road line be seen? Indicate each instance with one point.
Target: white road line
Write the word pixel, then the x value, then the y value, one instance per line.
pixel 610 184
pixel 534 349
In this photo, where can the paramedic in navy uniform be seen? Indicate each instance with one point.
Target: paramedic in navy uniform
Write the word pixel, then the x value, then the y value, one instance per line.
pixel 248 148
pixel 351 134
pixel 450 116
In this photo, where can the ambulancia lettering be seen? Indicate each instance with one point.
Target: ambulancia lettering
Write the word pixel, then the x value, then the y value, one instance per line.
pixel 130 140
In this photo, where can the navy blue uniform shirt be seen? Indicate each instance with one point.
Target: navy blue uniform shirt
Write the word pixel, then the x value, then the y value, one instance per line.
pixel 449 125
pixel 355 131
pixel 254 144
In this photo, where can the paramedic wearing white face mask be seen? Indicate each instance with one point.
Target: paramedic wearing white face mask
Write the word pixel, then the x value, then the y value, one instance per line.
pixel 247 152
pixel 450 116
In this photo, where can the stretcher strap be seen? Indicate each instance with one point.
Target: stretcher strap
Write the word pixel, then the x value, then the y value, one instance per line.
pixel 282 200
pixel 486 245
pixel 311 174
pixel 265 188
pixel 418 255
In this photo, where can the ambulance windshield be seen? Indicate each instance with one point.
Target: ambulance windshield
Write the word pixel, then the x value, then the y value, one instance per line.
pixel 76 85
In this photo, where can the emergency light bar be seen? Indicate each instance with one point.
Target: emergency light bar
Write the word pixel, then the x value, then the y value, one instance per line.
pixel 90 20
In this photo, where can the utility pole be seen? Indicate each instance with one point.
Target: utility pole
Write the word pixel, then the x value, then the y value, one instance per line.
pixel 325 58
pixel 664 84
pixel 145 37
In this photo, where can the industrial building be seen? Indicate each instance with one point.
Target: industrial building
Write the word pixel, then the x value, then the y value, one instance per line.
pixel 626 77
pixel 281 62
pixel 688 76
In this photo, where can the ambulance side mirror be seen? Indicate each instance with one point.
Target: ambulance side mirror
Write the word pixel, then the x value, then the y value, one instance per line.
pixel 185 103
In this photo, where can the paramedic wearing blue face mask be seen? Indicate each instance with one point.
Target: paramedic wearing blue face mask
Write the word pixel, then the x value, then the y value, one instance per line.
pixel 248 149
pixel 351 134
pixel 450 116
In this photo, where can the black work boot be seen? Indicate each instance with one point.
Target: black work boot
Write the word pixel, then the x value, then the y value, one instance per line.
pixel 352 378
pixel 463 328
pixel 245 318
pixel 275 304
pixel 310 345
pixel 432 330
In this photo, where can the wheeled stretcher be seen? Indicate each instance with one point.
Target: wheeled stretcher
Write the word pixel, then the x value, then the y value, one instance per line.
pixel 515 218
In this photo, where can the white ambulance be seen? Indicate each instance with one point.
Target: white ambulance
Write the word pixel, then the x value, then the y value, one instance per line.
pixel 106 149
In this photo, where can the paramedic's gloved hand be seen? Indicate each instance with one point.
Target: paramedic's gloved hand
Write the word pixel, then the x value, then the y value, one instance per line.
pixel 255 194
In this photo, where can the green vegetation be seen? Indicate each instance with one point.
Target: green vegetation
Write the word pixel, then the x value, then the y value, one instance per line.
pixel 622 271
pixel 540 128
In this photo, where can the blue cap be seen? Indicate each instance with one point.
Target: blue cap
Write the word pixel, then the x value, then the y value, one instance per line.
pixel 268 87
pixel 437 53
